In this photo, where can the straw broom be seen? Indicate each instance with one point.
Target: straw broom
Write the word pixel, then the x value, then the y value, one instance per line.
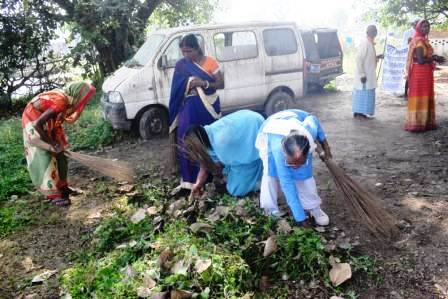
pixel 119 170
pixel 366 206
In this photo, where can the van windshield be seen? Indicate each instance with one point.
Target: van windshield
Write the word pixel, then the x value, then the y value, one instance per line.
pixel 146 51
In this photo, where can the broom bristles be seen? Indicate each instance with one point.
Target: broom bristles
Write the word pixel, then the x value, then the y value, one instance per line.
pixel 119 170
pixel 364 204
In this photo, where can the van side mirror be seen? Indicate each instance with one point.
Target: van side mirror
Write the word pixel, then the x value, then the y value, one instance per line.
pixel 164 62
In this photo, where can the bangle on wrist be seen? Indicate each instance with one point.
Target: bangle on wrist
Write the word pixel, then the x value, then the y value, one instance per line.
pixel 207 85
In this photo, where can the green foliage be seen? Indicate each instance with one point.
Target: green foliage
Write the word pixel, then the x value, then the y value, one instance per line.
pixel 26 28
pixel 183 14
pixel 399 12
pixel 118 229
pixel 304 251
pixel 14 216
pixel 13 173
pixel 331 86
pixel 91 131
pixel 233 247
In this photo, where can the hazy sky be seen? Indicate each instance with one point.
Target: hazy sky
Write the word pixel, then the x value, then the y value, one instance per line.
pixel 334 13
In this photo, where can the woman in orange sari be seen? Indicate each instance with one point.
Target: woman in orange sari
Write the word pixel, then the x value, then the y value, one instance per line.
pixel 421 114
pixel 45 140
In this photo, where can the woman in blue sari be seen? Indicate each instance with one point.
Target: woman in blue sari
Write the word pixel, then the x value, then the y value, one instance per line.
pixel 193 100
pixel 227 148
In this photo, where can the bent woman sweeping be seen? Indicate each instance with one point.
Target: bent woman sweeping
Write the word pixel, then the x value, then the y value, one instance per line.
pixel 193 99
pixel 44 138
pixel 227 147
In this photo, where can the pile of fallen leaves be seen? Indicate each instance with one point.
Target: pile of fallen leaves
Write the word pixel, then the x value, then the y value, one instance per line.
pixel 213 247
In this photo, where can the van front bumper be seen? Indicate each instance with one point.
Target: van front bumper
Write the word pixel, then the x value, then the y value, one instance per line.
pixel 115 113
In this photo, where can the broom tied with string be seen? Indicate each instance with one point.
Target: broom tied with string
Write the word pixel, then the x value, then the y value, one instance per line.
pixel 119 170
pixel 365 206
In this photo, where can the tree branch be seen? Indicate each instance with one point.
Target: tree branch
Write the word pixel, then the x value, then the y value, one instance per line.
pixel 147 9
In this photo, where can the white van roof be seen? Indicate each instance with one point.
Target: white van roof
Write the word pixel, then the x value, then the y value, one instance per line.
pixel 223 26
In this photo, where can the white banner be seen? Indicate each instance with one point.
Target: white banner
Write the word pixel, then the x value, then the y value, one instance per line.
pixel 393 69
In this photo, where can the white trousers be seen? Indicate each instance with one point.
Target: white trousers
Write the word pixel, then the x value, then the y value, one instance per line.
pixel 306 190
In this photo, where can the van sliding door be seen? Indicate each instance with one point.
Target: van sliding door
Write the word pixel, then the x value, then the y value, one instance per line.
pixel 238 55
pixel 283 59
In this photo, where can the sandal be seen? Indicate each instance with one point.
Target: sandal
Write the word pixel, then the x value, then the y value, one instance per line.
pixel 60 202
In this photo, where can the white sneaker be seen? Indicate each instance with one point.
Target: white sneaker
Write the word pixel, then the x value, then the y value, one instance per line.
pixel 319 216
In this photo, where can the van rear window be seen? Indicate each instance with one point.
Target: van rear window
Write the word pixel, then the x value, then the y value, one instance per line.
pixel 280 41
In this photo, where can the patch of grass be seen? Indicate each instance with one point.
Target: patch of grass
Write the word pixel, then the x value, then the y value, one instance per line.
pixel 331 86
pixel 15 216
pixel 14 178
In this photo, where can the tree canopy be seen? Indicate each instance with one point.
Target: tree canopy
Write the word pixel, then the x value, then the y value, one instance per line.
pixel 108 32
pixel 25 32
pixel 401 12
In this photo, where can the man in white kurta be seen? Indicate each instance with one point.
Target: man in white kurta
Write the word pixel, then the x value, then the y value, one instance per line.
pixel 365 76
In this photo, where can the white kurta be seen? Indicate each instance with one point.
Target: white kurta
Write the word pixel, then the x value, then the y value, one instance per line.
pixel 365 65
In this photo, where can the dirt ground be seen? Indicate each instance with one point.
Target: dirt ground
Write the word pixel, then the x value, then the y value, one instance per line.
pixel 408 171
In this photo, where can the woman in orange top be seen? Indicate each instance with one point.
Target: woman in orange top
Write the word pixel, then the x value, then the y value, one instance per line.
pixel 421 114
pixel 45 140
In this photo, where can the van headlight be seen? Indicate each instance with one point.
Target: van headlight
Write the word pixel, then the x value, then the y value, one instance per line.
pixel 115 97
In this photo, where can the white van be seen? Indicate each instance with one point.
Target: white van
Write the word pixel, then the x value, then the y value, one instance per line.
pixel 262 64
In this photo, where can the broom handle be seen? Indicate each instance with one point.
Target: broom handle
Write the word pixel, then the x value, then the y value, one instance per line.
pixel 320 151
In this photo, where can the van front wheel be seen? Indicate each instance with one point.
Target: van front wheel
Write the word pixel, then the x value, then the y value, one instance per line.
pixel 153 123
pixel 278 101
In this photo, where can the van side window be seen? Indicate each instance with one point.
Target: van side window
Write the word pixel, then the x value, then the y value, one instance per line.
pixel 173 52
pixel 280 41
pixel 235 45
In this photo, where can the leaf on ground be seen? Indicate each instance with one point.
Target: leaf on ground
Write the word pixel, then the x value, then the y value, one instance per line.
pixel 155 245
pixel 201 227
pixel 220 212
pixel 320 229
pixel 202 264
pixel 129 272
pixel 27 264
pixel 333 260
pixel 151 211
pixel 40 278
pixel 283 226
pixel 331 246
pixel 339 273
pixel 164 258
pixel 148 282
pixel 270 247
pixel 126 188
pixel 180 294
pixel 143 292
pixel 160 295
pixel 176 206
pixel 180 267
pixel 343 243
pixel 138 216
